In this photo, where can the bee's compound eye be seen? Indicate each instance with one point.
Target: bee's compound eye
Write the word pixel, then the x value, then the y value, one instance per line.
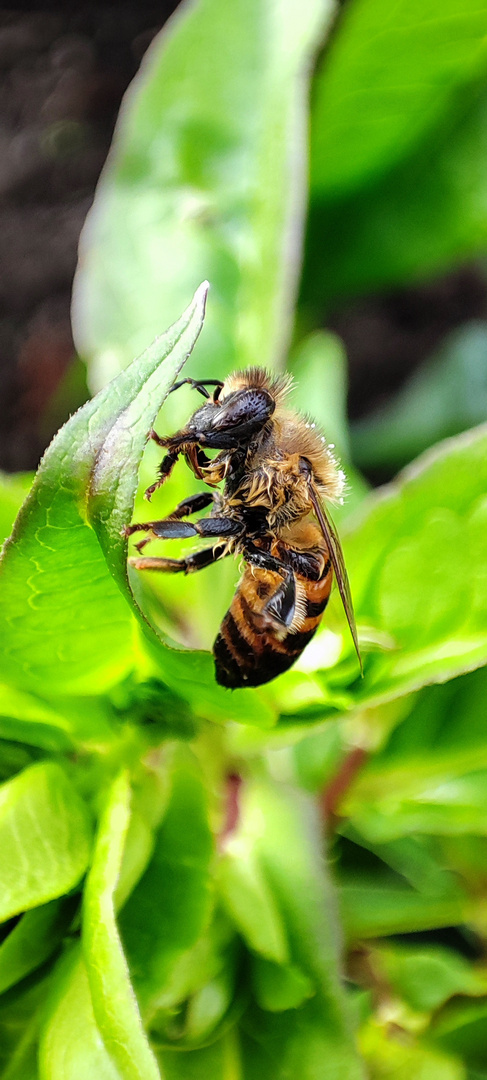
pixel 245 407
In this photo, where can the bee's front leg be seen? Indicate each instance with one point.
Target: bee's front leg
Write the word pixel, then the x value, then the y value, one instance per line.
pixel 178 444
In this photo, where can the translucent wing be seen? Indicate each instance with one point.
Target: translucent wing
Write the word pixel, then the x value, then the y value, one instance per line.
pixel 338 563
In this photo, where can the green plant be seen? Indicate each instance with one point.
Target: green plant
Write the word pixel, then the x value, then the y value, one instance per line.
pixel 169 907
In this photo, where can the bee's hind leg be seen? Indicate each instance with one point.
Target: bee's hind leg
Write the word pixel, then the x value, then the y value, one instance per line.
pixel 281 606
pixel 198 561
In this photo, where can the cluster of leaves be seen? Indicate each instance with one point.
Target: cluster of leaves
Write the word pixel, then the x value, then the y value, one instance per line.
pixel 167 906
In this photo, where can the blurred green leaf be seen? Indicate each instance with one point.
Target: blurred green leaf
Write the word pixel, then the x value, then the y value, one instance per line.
pixel 462 1029
pixel 192 675
pixel 387 78
pixel 31 720
pixel 204 993
pixel 82 496
pixel 416 560
pixel 392 1054
pixel 114 1003
pixel 14 757
pixel 45 838
pixel 220 1061
pixel 13 490
pixel 278 987
pixel 454 805
pixel 374 908
pixel 415 857
pixel 168 910
pixel 294 1043
pixel 20 1020
pixel 316 1040
pixel 249 899
pixel 426 215
pixel 206 179
pixel 402 887
pixel 441 731
pixel 427 976
pixel 209 1011
pixel 319 366
pixel 430 777
pixel 33 939
pixel 71 1046
pixel 445 396
pixel 318 757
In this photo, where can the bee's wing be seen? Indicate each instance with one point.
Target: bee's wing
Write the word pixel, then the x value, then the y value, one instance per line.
pixel 338 563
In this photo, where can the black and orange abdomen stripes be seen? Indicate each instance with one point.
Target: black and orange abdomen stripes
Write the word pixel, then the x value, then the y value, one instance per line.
pixel 248 651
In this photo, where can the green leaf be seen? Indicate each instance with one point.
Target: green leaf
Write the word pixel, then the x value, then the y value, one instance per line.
pixel 33 940
pixel 71 1046
pixel 207 174
pixel 388 77
pixel 45 838
pixel 114 1003
pixel 416 560
pixel 314 1042
pixel 170 907
pixel 426 215
pixel 63 621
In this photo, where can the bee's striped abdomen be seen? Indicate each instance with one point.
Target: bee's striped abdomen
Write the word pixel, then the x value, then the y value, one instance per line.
pixel 247 650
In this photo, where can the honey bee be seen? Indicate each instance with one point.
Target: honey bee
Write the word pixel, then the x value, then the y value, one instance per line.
pixel 276 470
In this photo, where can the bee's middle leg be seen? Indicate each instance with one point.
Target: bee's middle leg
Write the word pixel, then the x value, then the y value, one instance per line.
pixel 192 505
pixel 172 528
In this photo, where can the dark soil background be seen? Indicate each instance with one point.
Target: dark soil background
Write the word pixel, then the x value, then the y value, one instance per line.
pixel 62 77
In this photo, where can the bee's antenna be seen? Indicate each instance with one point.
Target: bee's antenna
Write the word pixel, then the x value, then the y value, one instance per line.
pixel 198 384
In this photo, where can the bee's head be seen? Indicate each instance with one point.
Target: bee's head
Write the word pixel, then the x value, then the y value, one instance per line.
pixel 234 421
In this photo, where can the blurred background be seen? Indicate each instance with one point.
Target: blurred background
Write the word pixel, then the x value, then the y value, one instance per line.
pixel 417 351
pixel 63 76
